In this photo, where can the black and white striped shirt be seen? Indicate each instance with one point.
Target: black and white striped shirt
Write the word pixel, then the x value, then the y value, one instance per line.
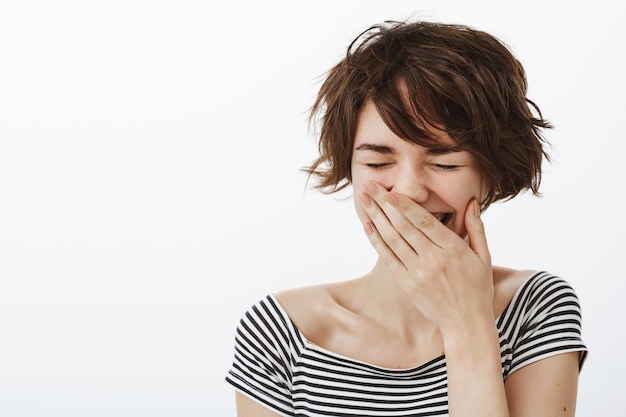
pixel 278 367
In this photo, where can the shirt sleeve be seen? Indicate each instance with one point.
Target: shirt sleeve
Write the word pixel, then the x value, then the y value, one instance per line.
pixel 261 367
pixel 551 323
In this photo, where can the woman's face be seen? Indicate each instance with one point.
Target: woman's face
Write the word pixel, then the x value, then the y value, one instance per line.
pixel 442 183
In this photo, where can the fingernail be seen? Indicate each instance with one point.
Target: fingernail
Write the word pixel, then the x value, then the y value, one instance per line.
pixel 368 228
pixel 476 209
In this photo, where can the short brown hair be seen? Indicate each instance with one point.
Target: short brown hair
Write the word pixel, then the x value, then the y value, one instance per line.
pixel 458 78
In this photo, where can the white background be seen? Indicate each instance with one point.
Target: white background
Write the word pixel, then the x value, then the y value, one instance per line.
pixel 150 187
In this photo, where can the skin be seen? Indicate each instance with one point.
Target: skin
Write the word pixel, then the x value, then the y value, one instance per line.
pixel 433 288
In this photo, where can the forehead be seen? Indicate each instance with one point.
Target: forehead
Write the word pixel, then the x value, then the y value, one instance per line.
pixel 371 128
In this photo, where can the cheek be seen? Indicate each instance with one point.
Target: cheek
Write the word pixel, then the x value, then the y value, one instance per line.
pixel 385 177
pixel 457 193
pixel 471 187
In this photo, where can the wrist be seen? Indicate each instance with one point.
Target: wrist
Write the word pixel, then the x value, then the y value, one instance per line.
pixel 473 337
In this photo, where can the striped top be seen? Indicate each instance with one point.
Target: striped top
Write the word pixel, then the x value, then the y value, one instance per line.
pixel 278 367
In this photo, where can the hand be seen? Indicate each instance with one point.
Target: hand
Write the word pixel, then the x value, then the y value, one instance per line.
pixel 448 280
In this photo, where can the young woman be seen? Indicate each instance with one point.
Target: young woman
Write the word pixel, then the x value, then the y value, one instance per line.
pixel 429 124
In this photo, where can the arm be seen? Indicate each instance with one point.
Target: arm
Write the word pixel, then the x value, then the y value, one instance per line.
pixel 451 283
pixel 475 385
pixel 545 388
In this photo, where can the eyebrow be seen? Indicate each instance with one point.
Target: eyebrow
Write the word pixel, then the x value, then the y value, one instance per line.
pixel 376 148
pixel 387 150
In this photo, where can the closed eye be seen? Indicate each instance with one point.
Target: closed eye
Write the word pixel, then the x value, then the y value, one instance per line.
pixel 377 166
pixel 445 167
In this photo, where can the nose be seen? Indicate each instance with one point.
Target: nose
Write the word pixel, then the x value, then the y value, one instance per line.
pixel 412 183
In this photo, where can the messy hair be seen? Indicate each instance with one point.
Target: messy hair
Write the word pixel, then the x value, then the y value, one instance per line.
pixel 421 75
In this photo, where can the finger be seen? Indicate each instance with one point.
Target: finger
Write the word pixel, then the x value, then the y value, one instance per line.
pixel 432 231
pixel 414 223
pixel 388 257
pixel 476 232
pixel 386 233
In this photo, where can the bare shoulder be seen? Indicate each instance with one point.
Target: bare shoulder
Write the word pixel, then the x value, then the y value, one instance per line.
pixel 506 281
pixel 301 303
pixel 313 309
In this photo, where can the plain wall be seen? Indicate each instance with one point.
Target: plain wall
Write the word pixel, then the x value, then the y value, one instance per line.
pixel 150 189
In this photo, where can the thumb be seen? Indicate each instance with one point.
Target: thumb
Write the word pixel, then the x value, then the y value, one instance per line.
pixel 476 232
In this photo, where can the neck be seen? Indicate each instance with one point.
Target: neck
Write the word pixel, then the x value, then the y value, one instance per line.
pixel 384 300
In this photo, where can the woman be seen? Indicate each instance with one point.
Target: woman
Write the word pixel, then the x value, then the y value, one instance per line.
pixel 429 124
